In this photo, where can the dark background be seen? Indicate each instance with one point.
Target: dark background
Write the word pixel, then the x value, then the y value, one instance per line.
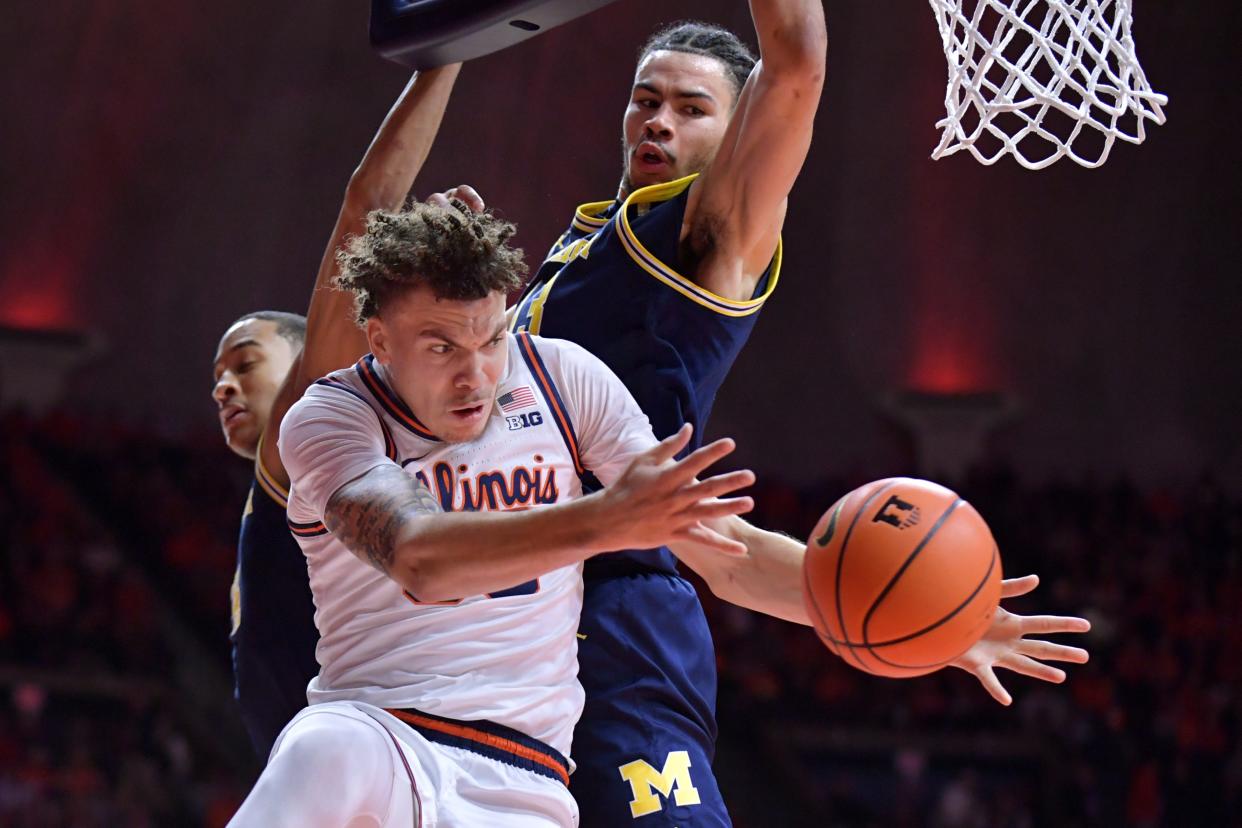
pixel 165 168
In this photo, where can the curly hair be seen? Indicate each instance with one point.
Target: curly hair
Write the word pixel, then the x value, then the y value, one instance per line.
pixel 459 254
pixel 698 38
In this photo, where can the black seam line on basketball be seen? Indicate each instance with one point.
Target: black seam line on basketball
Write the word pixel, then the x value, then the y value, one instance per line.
pixel 949 617
pixel 829 532
pixel 892 582
pixel 845 542
pixel 984 580
pixel 905 638
pixel 986 575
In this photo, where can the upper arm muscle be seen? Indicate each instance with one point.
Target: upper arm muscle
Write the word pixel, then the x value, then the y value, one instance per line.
pixel 737 207
pixel 371 513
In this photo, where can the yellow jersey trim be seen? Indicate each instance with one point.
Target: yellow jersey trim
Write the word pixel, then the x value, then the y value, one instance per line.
pixel 587 216
pixel 686 287
pixel 267 482
pixel 235 600
pixel 536 306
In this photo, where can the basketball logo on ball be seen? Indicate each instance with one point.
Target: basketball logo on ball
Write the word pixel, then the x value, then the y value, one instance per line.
pixel 901 576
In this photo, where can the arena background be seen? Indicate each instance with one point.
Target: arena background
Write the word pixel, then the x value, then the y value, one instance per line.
pixel 165 168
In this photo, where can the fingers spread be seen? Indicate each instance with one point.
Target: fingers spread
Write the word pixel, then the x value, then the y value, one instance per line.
pixel 1013 587
pixel 1045 624
pixel 690 466
pixel 1047 651
pixel 992 684
pixel 709 509
pixel 667 448
pixel 711 538
pixel 1030 667
pixel 719 485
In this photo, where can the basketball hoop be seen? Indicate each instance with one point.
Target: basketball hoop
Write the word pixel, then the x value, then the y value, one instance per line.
pixel 421 34
pixel 1041 80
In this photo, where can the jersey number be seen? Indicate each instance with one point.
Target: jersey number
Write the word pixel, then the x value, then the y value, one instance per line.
pixel 528 588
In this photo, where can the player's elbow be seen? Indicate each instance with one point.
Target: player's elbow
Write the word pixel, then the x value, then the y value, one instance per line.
pixel 798 55
pixel 422 569
pixel 372 189
pixel 419 578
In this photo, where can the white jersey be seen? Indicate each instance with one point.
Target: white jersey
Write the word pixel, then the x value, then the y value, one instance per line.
pixel 510 657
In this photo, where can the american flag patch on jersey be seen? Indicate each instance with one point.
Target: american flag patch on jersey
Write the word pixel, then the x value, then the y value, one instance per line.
pixel 521 397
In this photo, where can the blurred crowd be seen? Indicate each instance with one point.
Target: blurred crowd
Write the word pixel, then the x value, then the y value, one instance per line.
pixel 114 537
pixel 1148 733
pixel 93 729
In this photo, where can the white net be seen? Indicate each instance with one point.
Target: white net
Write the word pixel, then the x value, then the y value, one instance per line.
pixel 1042 80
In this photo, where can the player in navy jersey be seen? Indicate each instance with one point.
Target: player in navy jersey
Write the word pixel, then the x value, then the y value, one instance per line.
pixel 264 363
pixel 274 651
pixel 664 284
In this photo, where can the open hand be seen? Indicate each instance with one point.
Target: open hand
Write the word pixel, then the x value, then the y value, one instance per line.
pixel 1005 644
pixel 659 500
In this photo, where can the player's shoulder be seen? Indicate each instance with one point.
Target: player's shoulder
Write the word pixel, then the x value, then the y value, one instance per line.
pixel 551 345
pixel 339 395
pixel 558 355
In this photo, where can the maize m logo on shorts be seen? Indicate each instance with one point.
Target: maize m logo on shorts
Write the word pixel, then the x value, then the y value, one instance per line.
pixel 648 784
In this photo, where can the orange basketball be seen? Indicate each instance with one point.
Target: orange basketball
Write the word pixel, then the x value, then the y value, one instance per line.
pixel 901 577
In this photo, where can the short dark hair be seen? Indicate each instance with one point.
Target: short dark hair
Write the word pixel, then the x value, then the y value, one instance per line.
pixel 698 38
pixel 459 254
pixel 291 326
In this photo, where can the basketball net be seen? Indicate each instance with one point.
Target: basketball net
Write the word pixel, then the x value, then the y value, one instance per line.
pixel 1041 80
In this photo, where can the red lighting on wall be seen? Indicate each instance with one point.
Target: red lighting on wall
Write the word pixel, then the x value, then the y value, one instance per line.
pixel 949 361
pixel 37 290
pixel 952 342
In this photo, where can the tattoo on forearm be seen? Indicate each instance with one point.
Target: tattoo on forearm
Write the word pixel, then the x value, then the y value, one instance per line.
pixel 368 514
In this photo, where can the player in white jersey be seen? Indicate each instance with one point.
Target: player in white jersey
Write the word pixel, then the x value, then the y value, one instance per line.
pixel 507 656
pixel 450 460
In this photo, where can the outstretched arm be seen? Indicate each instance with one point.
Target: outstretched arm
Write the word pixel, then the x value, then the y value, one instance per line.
pixel 736 208
pixel 768 579
pixel 392 521
pixel 381 182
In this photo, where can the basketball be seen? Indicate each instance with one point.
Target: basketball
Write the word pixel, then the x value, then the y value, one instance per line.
pixel 901 576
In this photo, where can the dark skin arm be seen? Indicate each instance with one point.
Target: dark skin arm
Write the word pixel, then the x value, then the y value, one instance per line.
pixel 737 206
pixel 381 182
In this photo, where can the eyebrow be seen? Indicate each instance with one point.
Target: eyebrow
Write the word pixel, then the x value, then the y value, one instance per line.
pixel 237 346
pixel 678 93
pixel 432 333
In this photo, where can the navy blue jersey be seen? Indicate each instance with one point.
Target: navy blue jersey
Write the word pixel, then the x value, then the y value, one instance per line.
pixel 610 284
pixel 646 739
pixel 274 633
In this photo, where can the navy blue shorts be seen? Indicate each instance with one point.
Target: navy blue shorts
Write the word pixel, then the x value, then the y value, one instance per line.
pixel 645 743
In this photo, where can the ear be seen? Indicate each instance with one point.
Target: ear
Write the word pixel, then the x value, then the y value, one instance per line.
pixel 377 339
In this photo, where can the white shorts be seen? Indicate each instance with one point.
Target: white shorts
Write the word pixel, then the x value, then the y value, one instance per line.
pixel 351 764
